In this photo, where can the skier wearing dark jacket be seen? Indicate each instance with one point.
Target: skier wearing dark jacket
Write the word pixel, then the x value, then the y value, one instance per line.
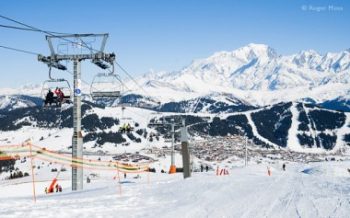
pixel 49 98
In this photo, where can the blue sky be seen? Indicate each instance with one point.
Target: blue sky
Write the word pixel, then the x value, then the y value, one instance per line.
pixel 168 35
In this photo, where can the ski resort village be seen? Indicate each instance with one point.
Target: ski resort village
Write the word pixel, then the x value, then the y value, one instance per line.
pixel 174 108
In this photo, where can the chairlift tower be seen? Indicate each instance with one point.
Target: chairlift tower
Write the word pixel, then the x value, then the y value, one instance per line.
pixel 172 124
pixel 245 137
pixel 186 161
pixel 98 57
pixel 184 146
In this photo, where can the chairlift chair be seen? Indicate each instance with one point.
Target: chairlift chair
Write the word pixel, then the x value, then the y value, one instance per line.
pixel 52 84
pixel 106 86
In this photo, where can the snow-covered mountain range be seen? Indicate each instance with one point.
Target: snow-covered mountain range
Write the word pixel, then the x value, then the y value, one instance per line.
pixel 257 74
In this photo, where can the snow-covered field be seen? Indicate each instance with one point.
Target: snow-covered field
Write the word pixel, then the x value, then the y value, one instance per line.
pixel 322 190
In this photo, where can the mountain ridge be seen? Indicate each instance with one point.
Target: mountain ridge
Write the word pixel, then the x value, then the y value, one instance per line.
pixel 256 68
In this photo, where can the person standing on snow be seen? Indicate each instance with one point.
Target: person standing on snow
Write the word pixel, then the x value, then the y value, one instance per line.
pixel 268 171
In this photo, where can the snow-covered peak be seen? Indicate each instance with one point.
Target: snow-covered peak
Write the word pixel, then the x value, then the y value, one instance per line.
pixel 257 68
pixel 260 51
pixel 309 59
pixel 330 62
pixel 154 75
pixel 243 54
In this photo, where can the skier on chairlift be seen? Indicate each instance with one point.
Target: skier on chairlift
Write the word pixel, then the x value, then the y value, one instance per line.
pixel 122 129
pixel 128 127
pixel 57 92
pixel 60 95
pixel 49 98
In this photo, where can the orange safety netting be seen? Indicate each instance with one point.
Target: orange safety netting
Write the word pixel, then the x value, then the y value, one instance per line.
pixel 8 152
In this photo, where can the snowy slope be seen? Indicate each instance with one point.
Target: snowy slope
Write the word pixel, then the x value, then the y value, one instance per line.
pixel 320 191
pixel 296 126
pixel 11 102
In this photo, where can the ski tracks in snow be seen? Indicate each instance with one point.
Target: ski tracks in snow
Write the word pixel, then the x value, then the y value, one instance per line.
pixel 290 196
pixel 256 208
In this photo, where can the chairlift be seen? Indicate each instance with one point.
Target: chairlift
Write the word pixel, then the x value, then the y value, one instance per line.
pixel 106 86
pixel 51 85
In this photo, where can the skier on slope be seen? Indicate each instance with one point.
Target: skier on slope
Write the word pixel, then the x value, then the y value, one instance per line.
pixel 268 171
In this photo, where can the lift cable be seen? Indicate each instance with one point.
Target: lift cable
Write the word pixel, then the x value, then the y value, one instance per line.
pixel 19 50
pixel 27 29
pixel 48 32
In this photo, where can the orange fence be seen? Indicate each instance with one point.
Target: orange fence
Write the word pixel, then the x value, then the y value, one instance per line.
pixel 10 152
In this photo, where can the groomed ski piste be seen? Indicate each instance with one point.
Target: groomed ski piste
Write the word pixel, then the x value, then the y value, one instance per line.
pixel 319 189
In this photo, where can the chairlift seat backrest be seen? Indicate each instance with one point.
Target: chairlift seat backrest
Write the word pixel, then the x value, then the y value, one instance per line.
pixel 105 94
pixel 106 86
